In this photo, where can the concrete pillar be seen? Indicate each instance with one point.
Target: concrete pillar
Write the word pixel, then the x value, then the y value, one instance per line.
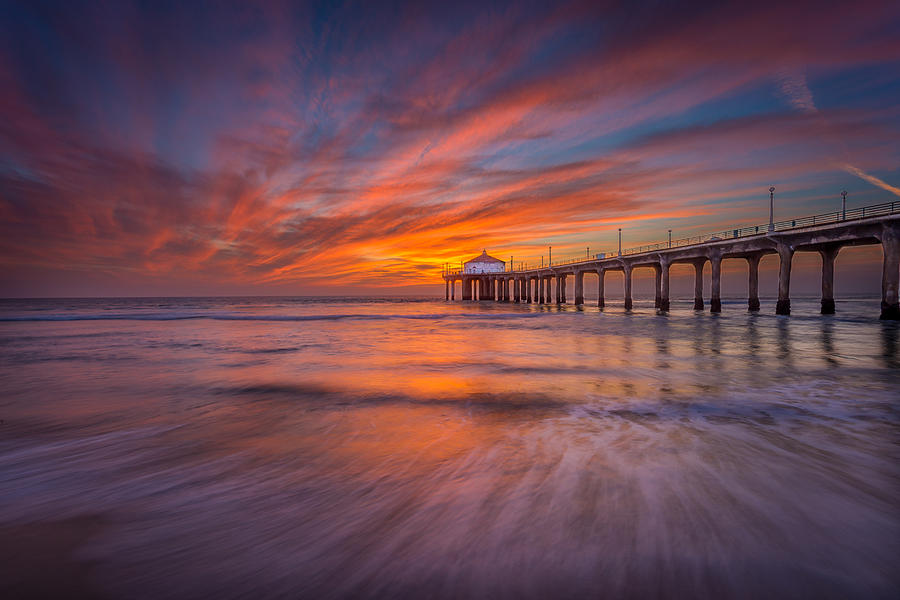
pixel 549 289
pixel 453 289
pixel 828 254
pixel 540 290
pixel 698 284
pixel 465 290
pixel 446 289
pixel 785 255
pixel 601 274
pixel 559 294
pixel 715 295
pixel 563 288
pixel 890 275
pixel 664 286
pixel 529 291
pixel 753 285
pixel 579 287
pixel 657 299
pixel 627 287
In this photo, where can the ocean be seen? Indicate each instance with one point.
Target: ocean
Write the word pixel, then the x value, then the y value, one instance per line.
pixel 387 448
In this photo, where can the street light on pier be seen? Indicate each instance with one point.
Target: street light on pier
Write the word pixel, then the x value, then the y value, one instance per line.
pixel 620 241
pixel 844 205
pixel 550 258
pixel 670 238
pixel 772 208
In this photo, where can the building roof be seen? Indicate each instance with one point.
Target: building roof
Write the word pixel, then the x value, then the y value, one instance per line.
pixel 484 258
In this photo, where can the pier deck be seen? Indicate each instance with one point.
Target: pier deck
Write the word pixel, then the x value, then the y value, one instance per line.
pixel 825 234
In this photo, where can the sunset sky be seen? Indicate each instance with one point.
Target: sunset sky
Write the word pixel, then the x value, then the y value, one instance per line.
pixel 299 148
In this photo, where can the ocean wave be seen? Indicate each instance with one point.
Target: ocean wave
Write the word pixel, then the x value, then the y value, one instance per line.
pixel 240 317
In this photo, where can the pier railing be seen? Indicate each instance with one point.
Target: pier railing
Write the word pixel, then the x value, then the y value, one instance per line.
pixel 851 214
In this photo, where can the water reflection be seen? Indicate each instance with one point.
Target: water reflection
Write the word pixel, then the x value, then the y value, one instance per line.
pixel 889 335
pixel 828 342
pixel 446 450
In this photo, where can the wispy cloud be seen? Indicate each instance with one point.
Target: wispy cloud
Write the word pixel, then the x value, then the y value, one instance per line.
pixel 289 149
pixel 795 89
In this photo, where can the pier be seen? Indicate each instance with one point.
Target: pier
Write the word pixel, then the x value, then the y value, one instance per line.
pixel 825 234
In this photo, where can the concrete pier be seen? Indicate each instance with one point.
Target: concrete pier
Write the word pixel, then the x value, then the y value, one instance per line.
pixel 828 254
pixel 664 284
pixel 785 257
pixel 753 283
pixel 881 225
pixel 657 299
pixel 715 294
pixel 579 288
pixel 890 277
pixel 698 284
pixel 628 303
pixel 601 293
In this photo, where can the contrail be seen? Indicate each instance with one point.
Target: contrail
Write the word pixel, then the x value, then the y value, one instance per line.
pixel 872 179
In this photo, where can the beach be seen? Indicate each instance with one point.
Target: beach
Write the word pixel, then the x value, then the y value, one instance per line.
pixel 376 448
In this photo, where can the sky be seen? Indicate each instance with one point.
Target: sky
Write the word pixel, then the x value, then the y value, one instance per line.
pixel 193 148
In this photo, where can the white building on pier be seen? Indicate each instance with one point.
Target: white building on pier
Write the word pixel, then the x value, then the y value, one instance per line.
pixel 484 264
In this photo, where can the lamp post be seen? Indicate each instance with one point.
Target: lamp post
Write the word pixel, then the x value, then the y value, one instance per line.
pixel 550 257
pixel 772 208
pixel 844 205
pixel 587 253
pixel 670 238
pixel 620 241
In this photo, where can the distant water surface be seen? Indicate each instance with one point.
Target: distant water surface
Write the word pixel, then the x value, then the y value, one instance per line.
pixel 338 448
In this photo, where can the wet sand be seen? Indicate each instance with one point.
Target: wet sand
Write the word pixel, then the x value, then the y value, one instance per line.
pixel 42 560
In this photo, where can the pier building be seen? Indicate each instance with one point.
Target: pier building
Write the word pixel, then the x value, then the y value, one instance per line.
pixel 484 264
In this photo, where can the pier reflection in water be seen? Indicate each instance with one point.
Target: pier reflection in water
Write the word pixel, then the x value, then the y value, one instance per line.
pixel 290 448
